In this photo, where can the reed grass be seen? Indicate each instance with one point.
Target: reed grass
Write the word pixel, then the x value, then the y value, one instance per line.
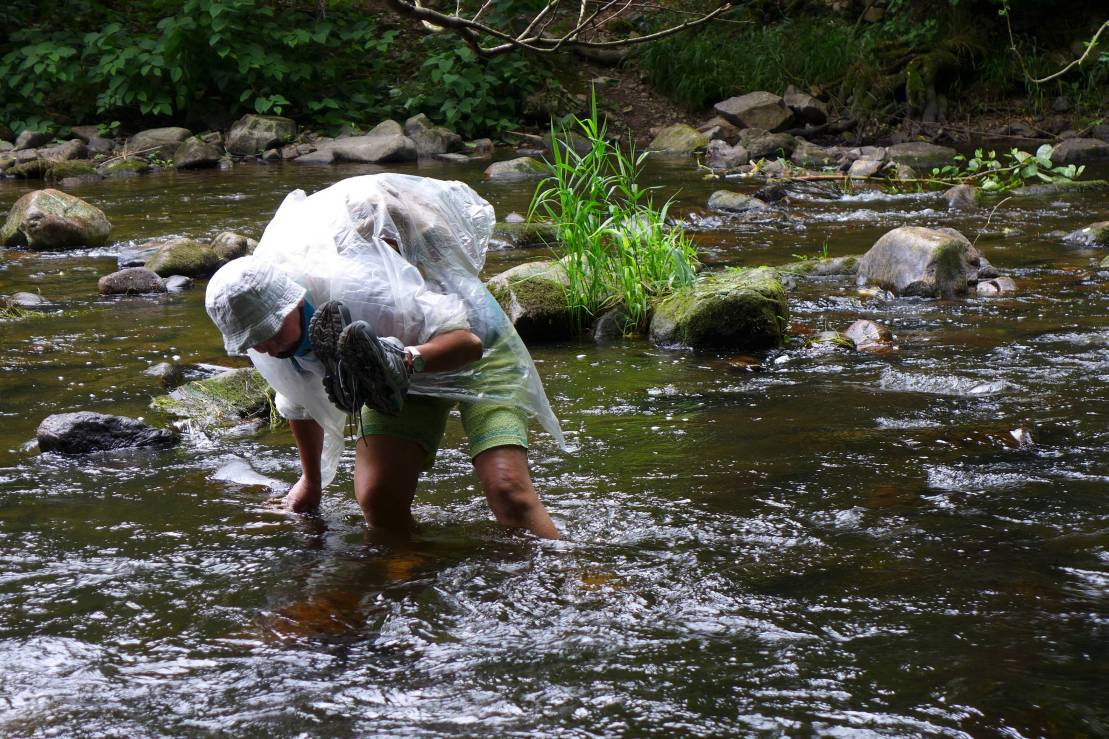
pixel 613 241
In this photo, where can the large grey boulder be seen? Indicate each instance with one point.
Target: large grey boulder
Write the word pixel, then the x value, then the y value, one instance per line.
pixel 734 202
pixel 678 139
pixel 921 155
pixel 386 142
pixel 85 432
pixel 719 155
pixel 196 153
pixel 1079 151
pixel 761 144
pixel 51 219
pixel 1096 234
pixel 928 262
pixel 521 168
pixel 429 138
pixel 756 110
pixel 736 309
pixel 534 297
pixel 159 142
pixel 253 134
pixel 180 256
pixel 131 281
pixel 805 107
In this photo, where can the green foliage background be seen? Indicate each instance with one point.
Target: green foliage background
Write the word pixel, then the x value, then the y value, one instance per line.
pixel 203 63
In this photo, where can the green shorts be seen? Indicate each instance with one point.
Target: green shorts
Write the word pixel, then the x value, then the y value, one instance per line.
pixel 424 419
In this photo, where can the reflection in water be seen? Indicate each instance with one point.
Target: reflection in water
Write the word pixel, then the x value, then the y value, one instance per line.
pixel 802 543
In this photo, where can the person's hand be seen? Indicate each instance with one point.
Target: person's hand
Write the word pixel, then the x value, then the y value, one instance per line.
pixel 303 497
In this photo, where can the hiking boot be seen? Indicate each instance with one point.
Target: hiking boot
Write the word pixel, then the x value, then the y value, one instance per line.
pixel 324 330
pixel 375 366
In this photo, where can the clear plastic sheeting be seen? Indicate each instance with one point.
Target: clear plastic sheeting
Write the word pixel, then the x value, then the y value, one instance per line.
pixel 403 253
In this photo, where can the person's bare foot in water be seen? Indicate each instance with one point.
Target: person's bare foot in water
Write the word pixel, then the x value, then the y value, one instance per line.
pixel 303 497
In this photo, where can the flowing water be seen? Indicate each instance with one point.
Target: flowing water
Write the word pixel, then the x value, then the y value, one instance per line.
pixel 911 543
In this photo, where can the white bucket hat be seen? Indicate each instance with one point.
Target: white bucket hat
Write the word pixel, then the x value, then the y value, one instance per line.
pixel 248 299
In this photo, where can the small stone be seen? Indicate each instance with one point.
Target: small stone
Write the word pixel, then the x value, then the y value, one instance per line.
pixel 516 169
pixel 997 286
pixel 962 197
pixel 734 202
pixel 869 335
pixel 131 281
pixel 178 283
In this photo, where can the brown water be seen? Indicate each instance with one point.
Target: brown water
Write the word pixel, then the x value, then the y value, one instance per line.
pixel 838 544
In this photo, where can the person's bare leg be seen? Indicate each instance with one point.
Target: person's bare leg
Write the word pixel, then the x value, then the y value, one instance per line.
pixel 386 470
pixel 305 495
pixel 503 471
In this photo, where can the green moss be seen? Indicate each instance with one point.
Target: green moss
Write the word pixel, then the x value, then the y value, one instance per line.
pixel 185 257
pixel 832 340
pixel 223 400
pixel 534 297
pixel 122 167
pixel 822 267
pixel 529 234
pixel 1105 263
pixel 734 309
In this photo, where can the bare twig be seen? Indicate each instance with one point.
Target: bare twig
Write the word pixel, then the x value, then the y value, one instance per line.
pixel 1090 46
pixel 472 30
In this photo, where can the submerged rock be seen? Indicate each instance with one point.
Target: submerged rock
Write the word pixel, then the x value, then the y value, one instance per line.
pixel 828 267
pixel 678 139
pixel 253 134
pixel 737 309
pixel 24 299
pixel 929 262
pixel 85 432
pixel 224 400
pixel 920 155
pixel 51 219
pixel 131 281
pixel 1096 234
pixel 828 340
pixel 726 201
pixel 178 283
pixel 534 297
pixel 869 335
pixel 520 168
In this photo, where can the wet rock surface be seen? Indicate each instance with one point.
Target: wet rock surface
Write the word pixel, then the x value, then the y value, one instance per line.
pixel 521 168
pixel 131 281
pixel 918 261
pixel 51 219
pixel 85 432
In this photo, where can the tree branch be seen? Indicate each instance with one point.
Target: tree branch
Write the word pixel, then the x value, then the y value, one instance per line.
pixel 471 30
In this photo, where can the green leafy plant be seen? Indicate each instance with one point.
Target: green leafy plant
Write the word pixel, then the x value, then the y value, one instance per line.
pixel 613 240
pixel 985 170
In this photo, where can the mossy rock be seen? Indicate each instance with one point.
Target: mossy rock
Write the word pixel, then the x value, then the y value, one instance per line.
pixel 46 170
pixel 736 309
pixel 829 267
pixel 123 167
pixel 185 257
pixel 223 400
pixel 534 297
pixel 678 139
pixel 827 340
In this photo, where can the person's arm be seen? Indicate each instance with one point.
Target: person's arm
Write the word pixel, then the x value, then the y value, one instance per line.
pixel 449 351
pixel 305 495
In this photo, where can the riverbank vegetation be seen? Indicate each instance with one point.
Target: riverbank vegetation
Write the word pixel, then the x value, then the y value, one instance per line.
pixel 336 63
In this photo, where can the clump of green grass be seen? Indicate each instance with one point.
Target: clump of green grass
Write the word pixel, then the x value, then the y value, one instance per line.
pixel 613 241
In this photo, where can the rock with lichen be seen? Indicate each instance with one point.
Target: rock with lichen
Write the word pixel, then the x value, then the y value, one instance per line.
pixel 533 295
pixel 51 219
pixel 735 309
pixel 927 262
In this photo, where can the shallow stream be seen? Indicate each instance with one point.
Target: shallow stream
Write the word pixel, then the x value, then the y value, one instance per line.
pixel 804 543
